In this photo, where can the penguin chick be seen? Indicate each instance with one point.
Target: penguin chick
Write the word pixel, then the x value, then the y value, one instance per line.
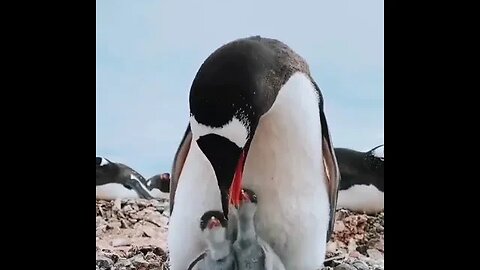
pixel 252 252
pixel 219 254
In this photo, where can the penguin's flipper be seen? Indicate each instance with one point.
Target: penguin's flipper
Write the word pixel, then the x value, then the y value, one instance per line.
pixel 196 261
pixel 332 171
pixel 178 163
pixel 375 148
pixel 330 164
pixel 378 154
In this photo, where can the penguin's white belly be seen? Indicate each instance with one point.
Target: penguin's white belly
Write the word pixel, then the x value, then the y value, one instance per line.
pixel 285 169
pixel 361 198
pixel 114 191
pixel 197 192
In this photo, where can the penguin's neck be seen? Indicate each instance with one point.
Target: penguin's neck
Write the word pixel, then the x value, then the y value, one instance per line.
pixel 246 229
pixel 219 250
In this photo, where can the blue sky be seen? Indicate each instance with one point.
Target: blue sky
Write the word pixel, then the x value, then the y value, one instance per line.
pixel 147 54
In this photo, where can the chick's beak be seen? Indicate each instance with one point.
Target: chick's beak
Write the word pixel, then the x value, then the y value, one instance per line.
pixel 213 223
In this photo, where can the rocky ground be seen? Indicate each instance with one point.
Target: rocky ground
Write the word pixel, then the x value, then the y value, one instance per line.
pixel 131 234
pixel 357 242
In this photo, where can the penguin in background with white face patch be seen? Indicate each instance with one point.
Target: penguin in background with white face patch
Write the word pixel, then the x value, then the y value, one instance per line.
pixel 116 180
pixel 362 182
pixel 160 182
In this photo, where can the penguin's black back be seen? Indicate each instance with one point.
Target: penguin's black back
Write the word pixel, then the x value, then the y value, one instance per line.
pixel 359 168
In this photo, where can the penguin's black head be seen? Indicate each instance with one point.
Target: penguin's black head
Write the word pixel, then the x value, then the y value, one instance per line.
pixel 102 161
pixel 212 219
pixel 228 96
pixel 106 171
pixel 248 196
pixel 160 181
pixel 248 205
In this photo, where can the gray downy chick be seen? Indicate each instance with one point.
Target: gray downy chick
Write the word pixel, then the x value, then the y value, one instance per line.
pixel 252 252
pixel 219 254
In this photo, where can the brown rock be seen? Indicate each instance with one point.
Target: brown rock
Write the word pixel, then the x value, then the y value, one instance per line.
pixel 123 263
pixel 118 204
pixel 100 230
pixel 119 242
pixel 352 245
pixel 103 262
pixel 332 247
pixel 149 231
pixel 100 221
pixel 360 265
pixel 114 224
pixel 127 208
pixel 133 220
pixel 125 224
pixel 344 266
pixel 354 254
pixel 375 254
pixel 139 261
pixel 339 226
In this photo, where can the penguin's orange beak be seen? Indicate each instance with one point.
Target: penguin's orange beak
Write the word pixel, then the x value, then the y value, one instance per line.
pixel 236 187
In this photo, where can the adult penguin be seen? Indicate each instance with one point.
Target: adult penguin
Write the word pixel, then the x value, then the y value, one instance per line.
pixel 256 120
pixel 119 181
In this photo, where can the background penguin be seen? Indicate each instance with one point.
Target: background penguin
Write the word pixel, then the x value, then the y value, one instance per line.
pixel 251 251
pixel 219 254
pixel 160 182
pixel 116 180
pixel 362 179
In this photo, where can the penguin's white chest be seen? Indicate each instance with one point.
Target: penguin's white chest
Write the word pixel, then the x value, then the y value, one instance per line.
pixel 285 169
pixel 197 192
